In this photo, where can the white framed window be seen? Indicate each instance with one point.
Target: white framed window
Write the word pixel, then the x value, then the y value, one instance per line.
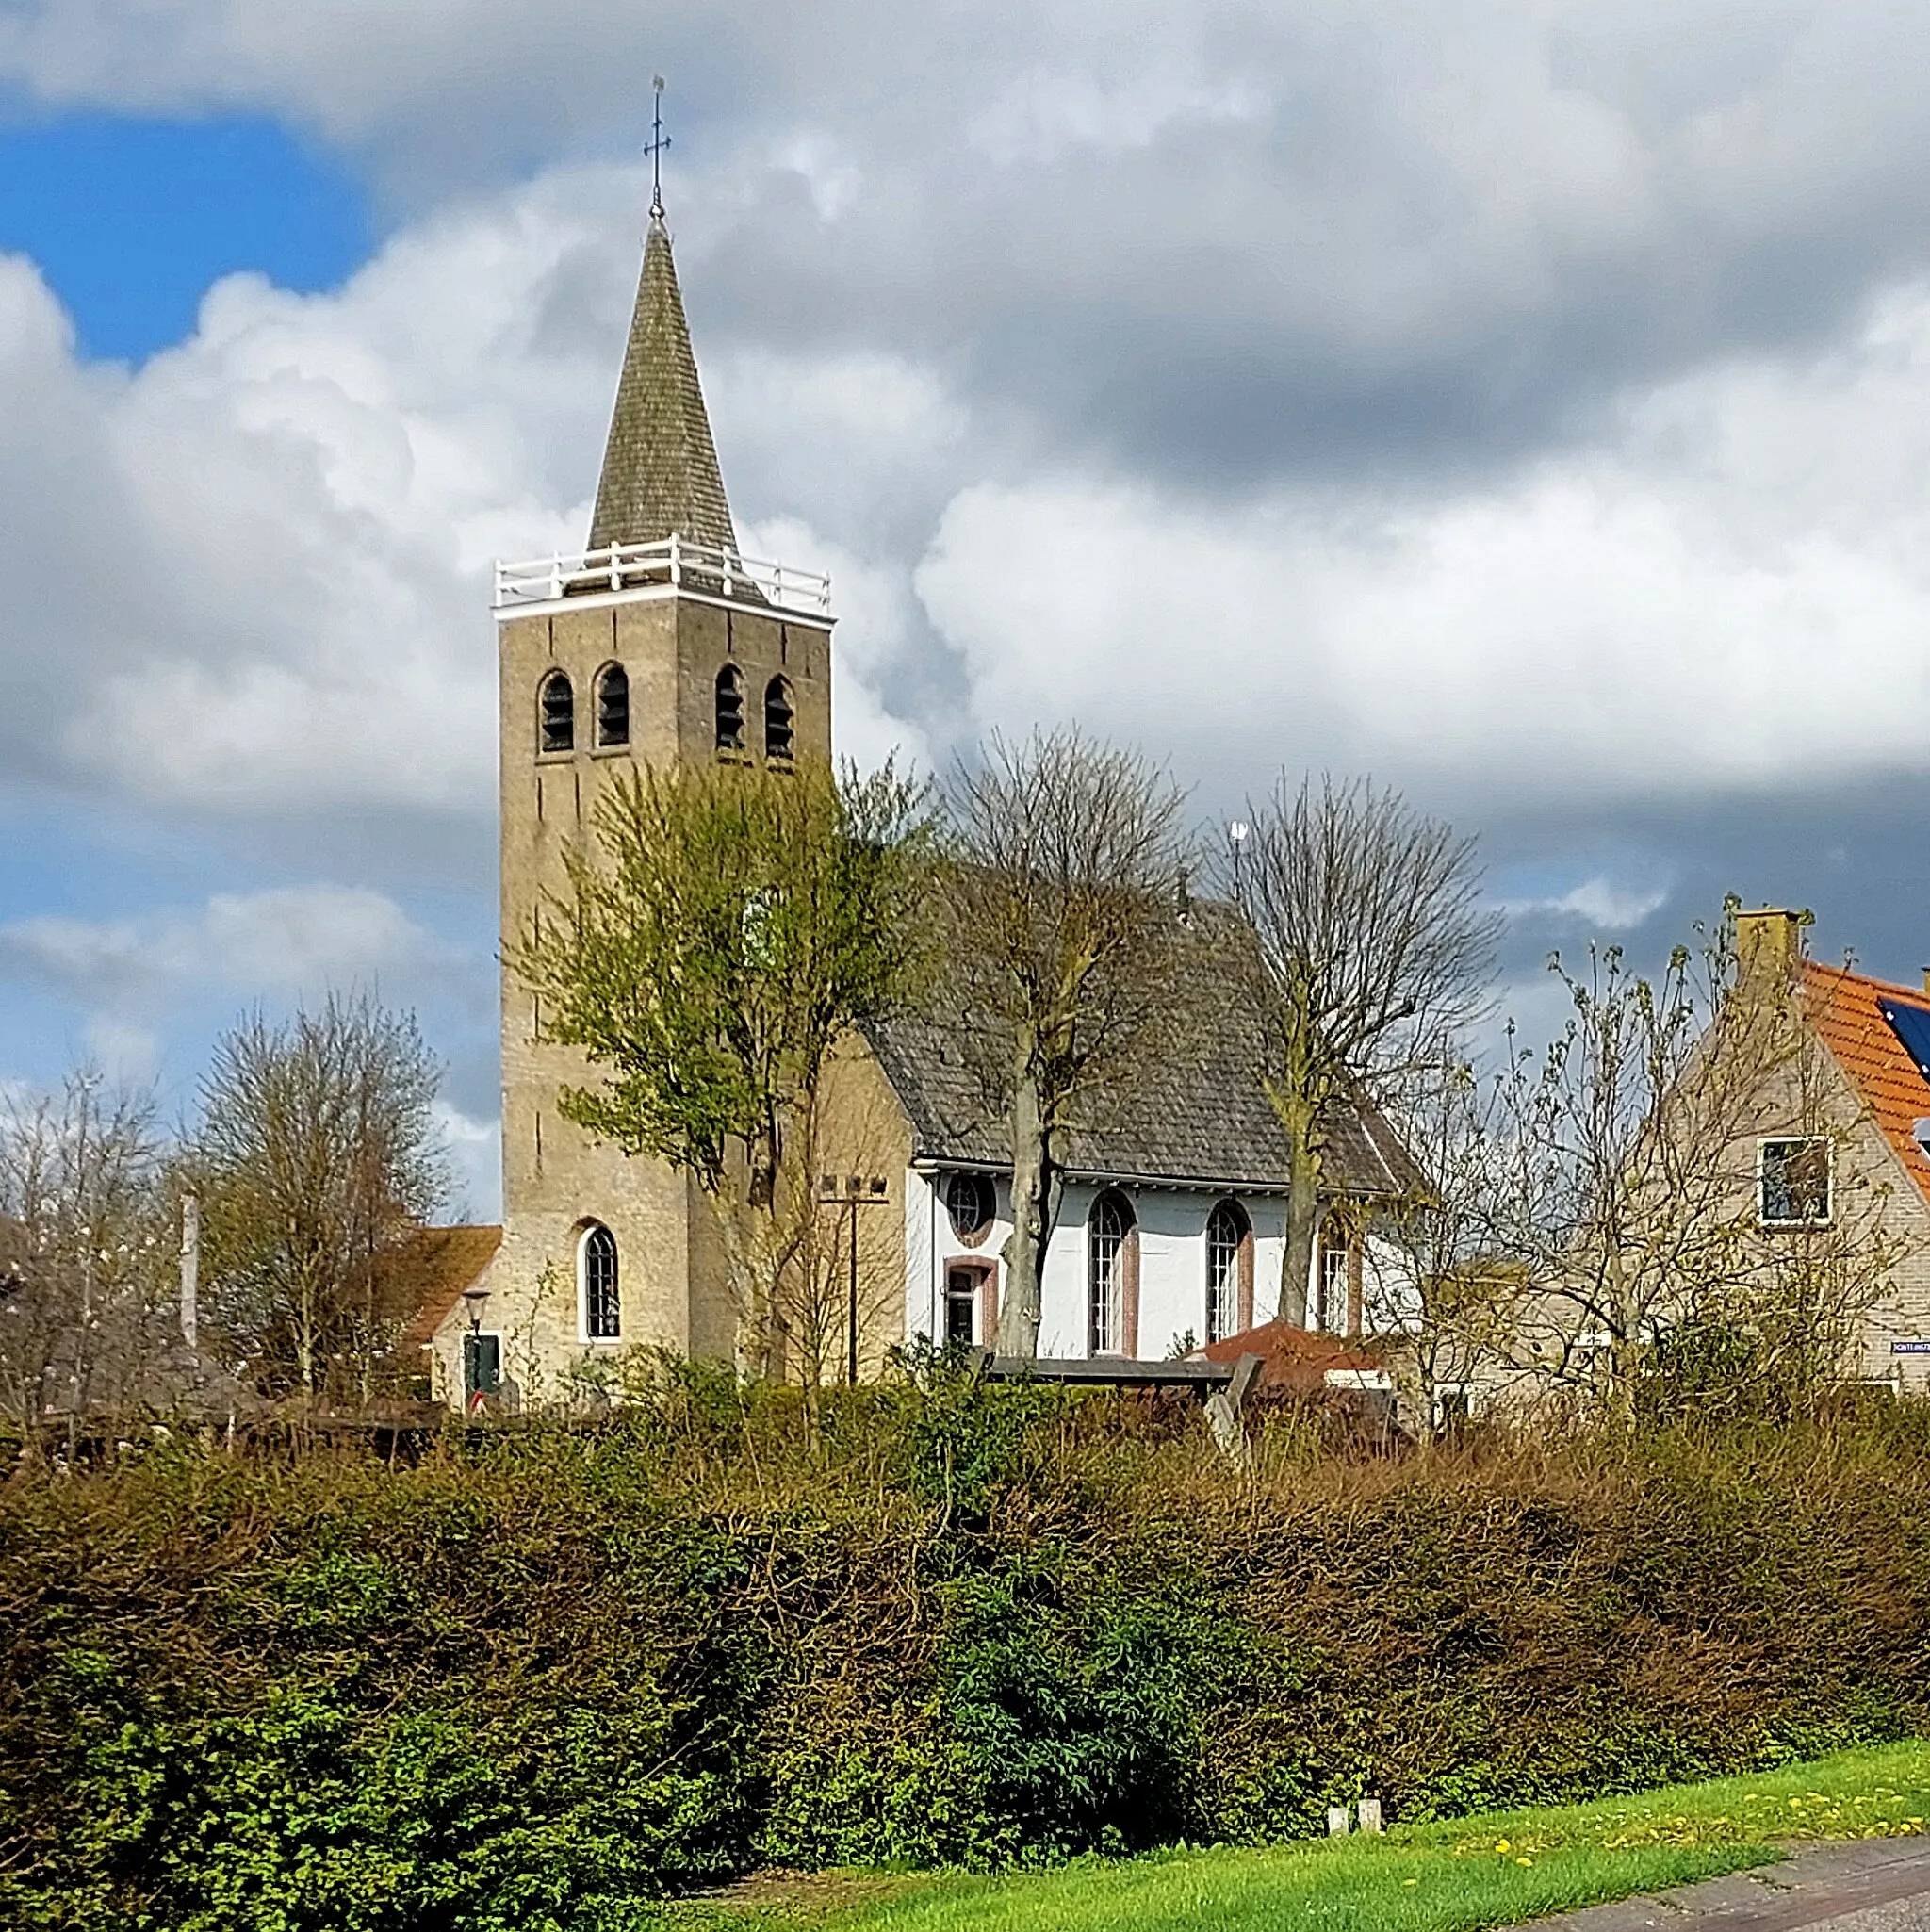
pixel 1106 1235
pixel 1792 1181
pixel 1329 1295
pixel 1226 1240
pixel 597 1285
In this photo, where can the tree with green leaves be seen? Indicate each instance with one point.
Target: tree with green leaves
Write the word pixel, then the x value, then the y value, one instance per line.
pixel 722 931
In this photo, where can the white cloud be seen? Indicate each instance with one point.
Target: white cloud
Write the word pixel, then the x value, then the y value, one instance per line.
pixel 1600 903
pixel 1732 590
pixel 289 940
pixel 475 1150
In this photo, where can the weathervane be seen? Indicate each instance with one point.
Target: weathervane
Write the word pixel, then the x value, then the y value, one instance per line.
pixel 658 140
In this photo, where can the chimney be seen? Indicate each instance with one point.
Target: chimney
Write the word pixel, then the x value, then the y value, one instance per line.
pixel 1769 947
pixel 190 1270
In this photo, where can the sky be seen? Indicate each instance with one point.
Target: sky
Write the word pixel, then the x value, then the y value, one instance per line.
pixel 1525 403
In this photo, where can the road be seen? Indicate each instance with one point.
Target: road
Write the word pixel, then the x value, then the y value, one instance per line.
pixel 1877 1885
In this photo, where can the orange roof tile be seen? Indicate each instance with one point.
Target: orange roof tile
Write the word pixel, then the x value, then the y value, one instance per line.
pixel 1842 1008
pixel 429 1270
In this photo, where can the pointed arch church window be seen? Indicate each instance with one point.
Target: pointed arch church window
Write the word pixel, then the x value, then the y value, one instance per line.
pixel 730 709
pixel 597 1266
pixel 1111 1265
pixel 612 706
pixel 780 727
pixel 1229 1270
pixel 558 732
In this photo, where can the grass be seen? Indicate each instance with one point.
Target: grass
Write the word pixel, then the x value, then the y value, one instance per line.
pixel 1450 1876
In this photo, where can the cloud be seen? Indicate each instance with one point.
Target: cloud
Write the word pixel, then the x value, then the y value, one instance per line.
pixel 1728 592
pixel 1599 903
pixel 284 940
pixel 1233 240
pixel 475 1152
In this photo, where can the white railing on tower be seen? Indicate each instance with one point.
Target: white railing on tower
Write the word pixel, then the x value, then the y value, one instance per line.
pixel 674 561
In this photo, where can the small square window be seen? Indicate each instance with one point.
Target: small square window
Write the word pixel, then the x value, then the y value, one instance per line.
pixel 1793 1177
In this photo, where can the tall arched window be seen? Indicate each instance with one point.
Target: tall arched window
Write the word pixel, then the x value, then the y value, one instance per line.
pixel 558 730
pixel 1111 1289
pixel 1229 1271
pixel 612 705
pixel 781 730
pixel 597 1267
pixel 730 709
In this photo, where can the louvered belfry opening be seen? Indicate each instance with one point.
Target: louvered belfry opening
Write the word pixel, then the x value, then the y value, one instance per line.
pixel 612 706
pixel 780 732
pixel 730 709
pixel 558 728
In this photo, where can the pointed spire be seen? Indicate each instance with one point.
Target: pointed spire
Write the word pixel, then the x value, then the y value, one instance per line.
pixel 660 468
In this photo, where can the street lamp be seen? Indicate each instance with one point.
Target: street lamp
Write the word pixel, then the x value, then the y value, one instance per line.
pixel 857 1192
pixel 472 1349
pixel 1236 836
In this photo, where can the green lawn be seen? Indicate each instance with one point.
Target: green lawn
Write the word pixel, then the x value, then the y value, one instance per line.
pixel 1445 1877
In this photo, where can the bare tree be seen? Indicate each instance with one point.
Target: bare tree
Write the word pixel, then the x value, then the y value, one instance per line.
pixel 84 1255
pixel 1374 956
pixel 1070 863
pixel 1449 1294
pixel 316 1152
pixel 1630 1195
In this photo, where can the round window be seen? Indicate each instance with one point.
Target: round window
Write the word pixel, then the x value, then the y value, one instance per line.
pixel 969 1202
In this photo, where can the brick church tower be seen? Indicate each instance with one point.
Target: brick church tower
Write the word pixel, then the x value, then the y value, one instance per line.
pixel 658 643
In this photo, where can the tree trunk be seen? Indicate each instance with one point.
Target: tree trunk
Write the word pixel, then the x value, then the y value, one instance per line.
pixel 1303 1221
pixel 1035 1190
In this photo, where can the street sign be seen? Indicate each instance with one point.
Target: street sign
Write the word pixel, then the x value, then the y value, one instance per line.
pixel 1909 1347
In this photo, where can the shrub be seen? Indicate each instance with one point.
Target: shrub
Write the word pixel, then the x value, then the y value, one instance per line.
pixel 541 1678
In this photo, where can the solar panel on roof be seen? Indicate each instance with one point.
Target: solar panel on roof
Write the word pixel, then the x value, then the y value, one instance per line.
pixel 1911 1025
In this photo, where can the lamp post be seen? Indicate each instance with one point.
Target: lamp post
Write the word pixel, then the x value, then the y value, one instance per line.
pixel 1236 836
pixel 473 1351
pixel 857 1192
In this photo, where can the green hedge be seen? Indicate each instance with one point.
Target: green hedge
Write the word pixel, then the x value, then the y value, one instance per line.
pixel 540 1680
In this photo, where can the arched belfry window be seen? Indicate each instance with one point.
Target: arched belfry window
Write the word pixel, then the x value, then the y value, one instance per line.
pixel 597 1270
pixel 1112 1270
pixel 780 727
pixel 730 709
pixel 612 705
pixel 557 712
pixel 1229 1271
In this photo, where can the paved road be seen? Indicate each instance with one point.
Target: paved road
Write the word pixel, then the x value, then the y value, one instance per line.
pixel 1878 1885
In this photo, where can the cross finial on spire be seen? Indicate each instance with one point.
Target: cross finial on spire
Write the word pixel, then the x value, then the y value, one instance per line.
pixel 658 140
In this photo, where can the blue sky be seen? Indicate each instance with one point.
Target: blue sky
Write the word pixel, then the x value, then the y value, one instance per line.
pixel 1529 408
pixel 131 220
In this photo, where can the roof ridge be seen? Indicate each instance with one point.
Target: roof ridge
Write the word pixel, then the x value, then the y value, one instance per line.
pixel 1917 995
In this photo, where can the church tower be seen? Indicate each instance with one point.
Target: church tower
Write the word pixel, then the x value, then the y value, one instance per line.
pixel 658 643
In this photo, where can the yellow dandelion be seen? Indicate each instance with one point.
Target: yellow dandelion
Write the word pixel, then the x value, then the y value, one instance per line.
pixel 1502 1845
pixel 1525 1862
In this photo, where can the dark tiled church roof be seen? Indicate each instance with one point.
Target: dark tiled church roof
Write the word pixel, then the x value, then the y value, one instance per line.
pixel 660 468
pixel 1196 1113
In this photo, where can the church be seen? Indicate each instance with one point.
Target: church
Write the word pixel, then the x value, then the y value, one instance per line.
pixel 661 642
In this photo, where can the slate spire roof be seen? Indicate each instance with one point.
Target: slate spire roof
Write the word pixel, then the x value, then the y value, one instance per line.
pixel 660 468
